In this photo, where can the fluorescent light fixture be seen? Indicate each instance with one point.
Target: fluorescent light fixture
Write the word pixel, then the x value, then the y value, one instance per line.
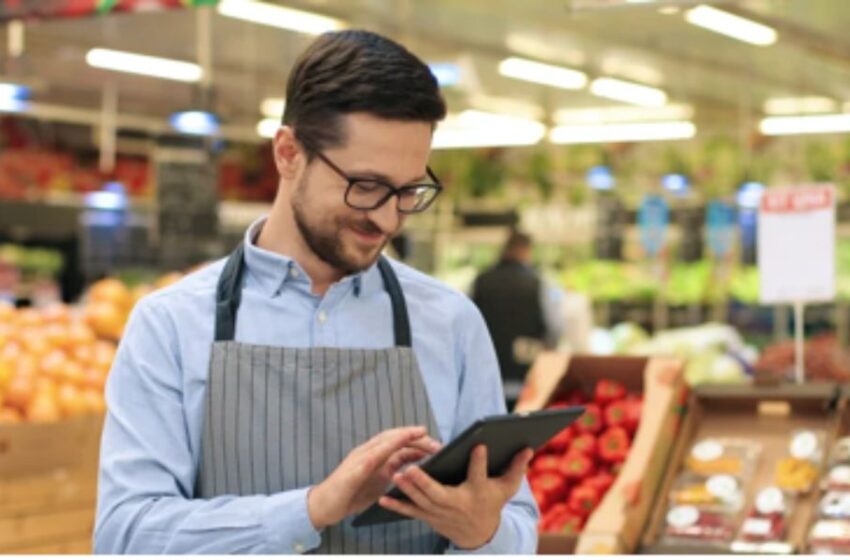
pixel 731 25
pixel 279 16
pixel 749 195
pixel 14 91
pixel 805 124
pixel 540 73
pixel 628 92
pixel 447 73
pixel 267 128
pixel 623 114
pixel 629 132
pixel 799 105
pixel 599 178
pixel 199 123
pixel 477 129
pixel 273 107
pixel 166 68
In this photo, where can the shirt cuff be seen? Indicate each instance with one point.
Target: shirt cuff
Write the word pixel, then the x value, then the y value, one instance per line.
pixel 287 524
pixel 501 543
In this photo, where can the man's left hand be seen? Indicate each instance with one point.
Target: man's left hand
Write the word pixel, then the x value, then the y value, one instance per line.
pixel 469 514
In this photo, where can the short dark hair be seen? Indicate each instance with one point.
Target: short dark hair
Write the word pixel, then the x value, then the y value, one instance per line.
pixel 354 71
pixel 516 241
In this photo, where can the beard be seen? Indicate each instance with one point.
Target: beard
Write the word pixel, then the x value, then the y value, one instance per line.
pixel 324 235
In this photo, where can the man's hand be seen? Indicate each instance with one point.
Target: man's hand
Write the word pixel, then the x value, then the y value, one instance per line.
pixel 468 514
pixel 364 474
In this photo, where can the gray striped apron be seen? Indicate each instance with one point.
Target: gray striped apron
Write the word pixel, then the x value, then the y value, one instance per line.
pixel 279 419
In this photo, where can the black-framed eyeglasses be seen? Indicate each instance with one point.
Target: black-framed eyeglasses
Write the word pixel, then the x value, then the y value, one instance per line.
pixel 366 193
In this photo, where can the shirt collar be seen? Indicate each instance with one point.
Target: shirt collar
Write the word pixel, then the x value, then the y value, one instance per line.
pixel 274 271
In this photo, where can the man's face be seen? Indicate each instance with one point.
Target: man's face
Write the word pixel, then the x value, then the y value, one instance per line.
pixel 347 239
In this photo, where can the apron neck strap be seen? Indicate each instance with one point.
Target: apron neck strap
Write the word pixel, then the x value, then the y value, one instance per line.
pixel 229 296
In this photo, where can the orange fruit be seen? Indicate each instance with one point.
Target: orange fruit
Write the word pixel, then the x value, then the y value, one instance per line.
pixel 94 401
pixel 7 311
pixel 80 334
pixel 45 386
pixel 10 416
pixel 70 400
pixel 56 314
pixel 73 372
pixel 106 319
pixel 84 355
pixel 111 290
pixel 20 392
pixel 43 408
pixel 52 365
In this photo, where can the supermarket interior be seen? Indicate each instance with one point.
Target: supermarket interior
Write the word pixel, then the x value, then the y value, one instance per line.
pixel 667 181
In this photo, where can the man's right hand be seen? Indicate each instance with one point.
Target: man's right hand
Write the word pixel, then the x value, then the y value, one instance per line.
pixel 365 473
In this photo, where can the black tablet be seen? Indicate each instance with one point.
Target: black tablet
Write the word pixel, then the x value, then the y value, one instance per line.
pixel 504 436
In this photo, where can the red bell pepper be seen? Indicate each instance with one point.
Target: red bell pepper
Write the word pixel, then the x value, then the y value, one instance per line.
pixel 590 422
pixel 561 441
pixel 602 481
pixel 608 391
pixel 542 500
pixel 585 444
pixel 615 413
pixel 571 523
pixel 551 486
pixel 576 466
pixel 584 499
pixel 550 521
pixel 614 445
pixel 634 408
pixel 545 463
pixel 576 397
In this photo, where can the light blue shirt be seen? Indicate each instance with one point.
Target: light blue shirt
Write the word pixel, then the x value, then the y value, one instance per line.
pixel 155 394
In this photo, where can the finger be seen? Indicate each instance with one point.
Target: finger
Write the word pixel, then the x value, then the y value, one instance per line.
pixel 433 490
pixel 403 457
pixel 405 433
pixel 516 472
pixel 403 508
pixel 426 443
pixel 378 454
pixel 477 472
pixel 412 491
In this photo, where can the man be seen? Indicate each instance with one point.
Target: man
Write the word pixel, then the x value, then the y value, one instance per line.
pixel 262 401
pixel 522 312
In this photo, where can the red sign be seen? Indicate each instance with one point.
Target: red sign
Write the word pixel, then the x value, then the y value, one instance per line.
pixel 27 9
pixel 797 199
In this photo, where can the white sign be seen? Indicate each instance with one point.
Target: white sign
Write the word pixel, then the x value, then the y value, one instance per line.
pixel 796 244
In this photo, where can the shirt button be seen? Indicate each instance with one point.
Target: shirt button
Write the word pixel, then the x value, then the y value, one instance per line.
pixel 295 273
pixel 298 548
pixel 323 317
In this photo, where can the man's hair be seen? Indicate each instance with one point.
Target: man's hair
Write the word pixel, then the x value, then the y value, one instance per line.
pixel 516 241
pixel 356 71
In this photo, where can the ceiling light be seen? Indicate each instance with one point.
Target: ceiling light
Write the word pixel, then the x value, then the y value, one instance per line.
pixel 145 65
pixel 200 123
pixel 279 16
pixel 628 92
pixel 632 132
pixel 669 10
pixel 273 107
pixel 10 105
pixel 477 129
pixel 799 105
pixel 267 128
pixel 731 25
pixel 621 114
pixel 540 73
pixel 806 124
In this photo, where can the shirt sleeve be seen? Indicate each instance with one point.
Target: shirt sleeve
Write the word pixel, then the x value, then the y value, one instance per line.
pixel 481 395
pixel 147 469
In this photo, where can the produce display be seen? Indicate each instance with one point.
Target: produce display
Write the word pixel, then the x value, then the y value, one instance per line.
pixel 824 360
pixel 52 365
pixel 830 533
pixel 571 474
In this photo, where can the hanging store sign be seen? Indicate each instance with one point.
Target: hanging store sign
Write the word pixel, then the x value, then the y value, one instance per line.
pixel 653 217
pixel 44 9
pixel 720 226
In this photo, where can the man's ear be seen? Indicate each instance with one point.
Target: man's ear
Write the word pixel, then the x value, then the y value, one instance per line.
pixel 288 156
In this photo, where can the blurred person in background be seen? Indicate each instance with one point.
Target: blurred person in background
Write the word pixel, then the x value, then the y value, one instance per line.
pixel 524 313
pixel 258 404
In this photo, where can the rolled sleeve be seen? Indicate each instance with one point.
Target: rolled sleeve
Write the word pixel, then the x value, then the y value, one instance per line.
pixel 287 524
